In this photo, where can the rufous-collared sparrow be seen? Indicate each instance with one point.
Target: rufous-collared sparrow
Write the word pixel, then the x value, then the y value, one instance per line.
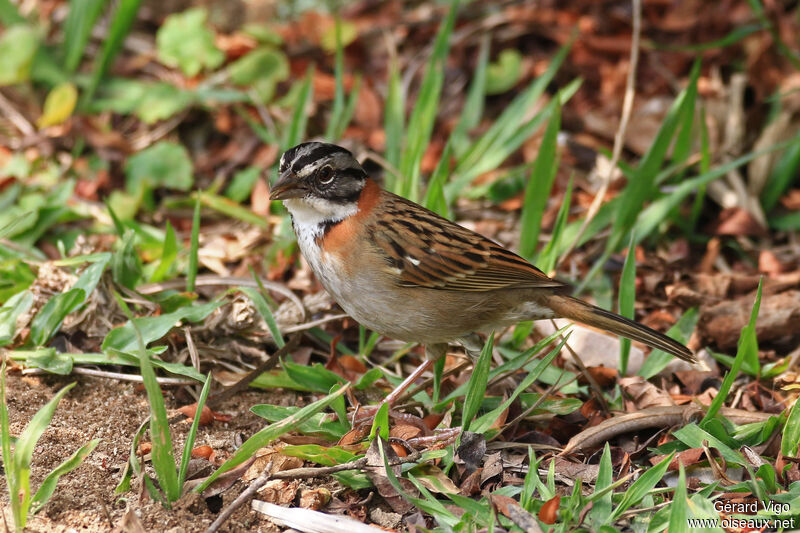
pixel 407 273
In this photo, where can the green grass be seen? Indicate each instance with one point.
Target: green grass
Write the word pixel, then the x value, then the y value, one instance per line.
pixel 18 455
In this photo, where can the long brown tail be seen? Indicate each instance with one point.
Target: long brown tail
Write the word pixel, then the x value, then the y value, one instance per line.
pixel 579 311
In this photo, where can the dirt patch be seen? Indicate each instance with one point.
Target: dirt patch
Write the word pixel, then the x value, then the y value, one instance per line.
pixel 112 411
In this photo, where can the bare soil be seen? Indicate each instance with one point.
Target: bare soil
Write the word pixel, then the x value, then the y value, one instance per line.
pixel 112 411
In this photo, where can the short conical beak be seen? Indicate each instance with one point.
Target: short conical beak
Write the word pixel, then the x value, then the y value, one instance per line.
pixel 287 186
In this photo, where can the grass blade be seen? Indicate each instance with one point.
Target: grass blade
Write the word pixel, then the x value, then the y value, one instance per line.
pixel 473 105
pixel 679 509
pixel 77 29
pixel 12 479
pixel 393 119
pixel 189 444
pixel 47 487
pixel 121 23
pixel 270 433
pixel 601 508
pixel 194 245
pixel 420 124
pixel 748 348
pixel 296 131
pixel 168 255
pixel 641 185
pixel 549 256
pixel 434 196
pixel 641 487
pixel 23 450
pixel 537 191
pixel 477 384
pixel 781 177
pixel 627 299
pixel 163 458
pixel 263 309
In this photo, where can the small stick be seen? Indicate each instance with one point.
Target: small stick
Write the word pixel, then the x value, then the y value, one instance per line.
pixel 246 494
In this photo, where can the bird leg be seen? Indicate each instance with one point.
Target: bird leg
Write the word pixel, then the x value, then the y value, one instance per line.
pixel 473 345
pixel 432 353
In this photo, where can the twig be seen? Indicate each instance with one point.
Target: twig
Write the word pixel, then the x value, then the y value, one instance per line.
pixel 136 378
pixel 15 117
pixel 246 494
pixel 619 138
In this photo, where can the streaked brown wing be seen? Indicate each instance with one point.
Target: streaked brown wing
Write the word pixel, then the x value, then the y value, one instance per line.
pixel 426 250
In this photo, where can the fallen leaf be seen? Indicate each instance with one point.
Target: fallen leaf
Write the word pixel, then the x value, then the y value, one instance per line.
pixel 549 511
pixel 202 452
pixel 314 499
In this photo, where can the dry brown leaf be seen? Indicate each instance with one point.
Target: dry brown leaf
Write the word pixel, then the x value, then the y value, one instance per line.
pixel 314 499
pixel 643 393
pixel 279 491
pixel 549 511
pixel 202 452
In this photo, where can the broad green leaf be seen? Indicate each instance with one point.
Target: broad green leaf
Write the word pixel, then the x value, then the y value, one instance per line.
pixel 123 338
pixel 349 33
pixel 164 164
pixel 261 69
pixel 315 377
pixel 15 307
pixel 185 41
pixel 380 423
pixel 49 318
pixel 322 455
pixel 693 436
pixel 150 101
pixel 59 105
pixel 503 73
pixel 18 45
pixel 50 360
pixel 242 183
pixel 318 424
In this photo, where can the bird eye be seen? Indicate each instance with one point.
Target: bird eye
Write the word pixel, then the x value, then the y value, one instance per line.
pixel 325 175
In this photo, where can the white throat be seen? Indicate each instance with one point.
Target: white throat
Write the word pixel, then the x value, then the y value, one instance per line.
pixel 311 215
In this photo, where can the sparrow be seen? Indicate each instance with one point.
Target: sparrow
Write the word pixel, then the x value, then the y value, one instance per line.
pixel 412 275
